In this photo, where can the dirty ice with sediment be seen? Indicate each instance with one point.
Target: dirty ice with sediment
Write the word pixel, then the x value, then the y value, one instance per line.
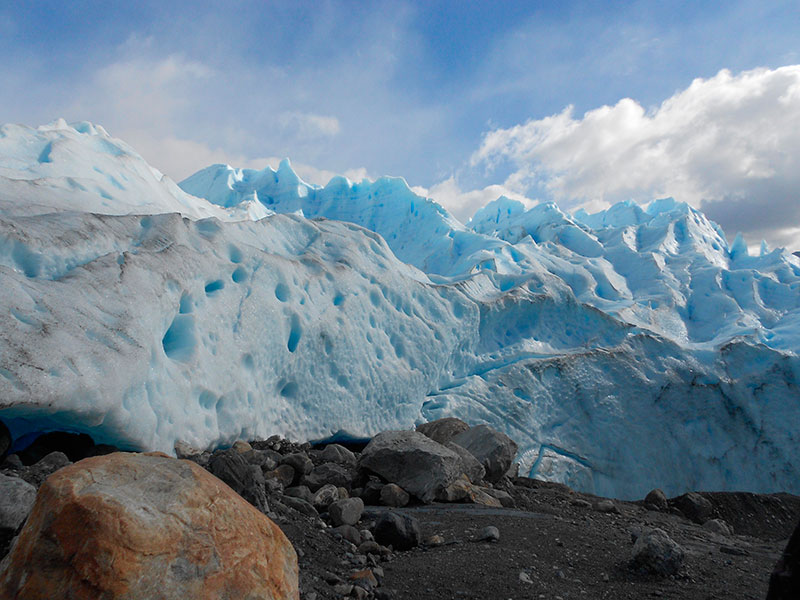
pixel 623 350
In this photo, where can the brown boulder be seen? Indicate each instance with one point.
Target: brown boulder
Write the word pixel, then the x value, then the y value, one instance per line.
pixel 130 526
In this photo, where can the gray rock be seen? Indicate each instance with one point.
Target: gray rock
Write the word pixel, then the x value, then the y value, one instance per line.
pixel 245 479
pixel 694 507
pixel 16 501
pixel 784 583
pixel 346 512
pixel 328 473
pixel 504 497
pixel 393 495
pixel 300 505
pixel 299 461
pixel 413 461
pixel 325 496
pixel 655 552
pixel 369 547
pixel 402 532
pixel 443 430
pixel 470 465
pixel 657 499
pixel 36 474
pixel 334 453
pixel 371 493
pixel 718 526
pixel 488 534
pixel 349 533
pixel 494 450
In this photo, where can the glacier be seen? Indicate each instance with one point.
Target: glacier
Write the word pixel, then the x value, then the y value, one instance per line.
pixel 624 350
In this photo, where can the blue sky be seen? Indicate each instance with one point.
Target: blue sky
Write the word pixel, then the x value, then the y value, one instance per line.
pixel 460 98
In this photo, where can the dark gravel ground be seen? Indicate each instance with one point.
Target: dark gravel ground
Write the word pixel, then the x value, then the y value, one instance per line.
pixel 556 544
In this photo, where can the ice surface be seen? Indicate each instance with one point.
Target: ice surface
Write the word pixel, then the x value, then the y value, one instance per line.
pixel 623 350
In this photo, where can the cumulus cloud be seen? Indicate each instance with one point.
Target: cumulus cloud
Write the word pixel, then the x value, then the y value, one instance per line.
pixel 729 145
pixel 463 204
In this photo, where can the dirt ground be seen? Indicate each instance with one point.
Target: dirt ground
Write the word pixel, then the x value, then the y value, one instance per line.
pixel 556 545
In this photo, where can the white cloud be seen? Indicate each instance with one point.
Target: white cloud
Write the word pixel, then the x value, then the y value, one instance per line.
pixel 309 125
pixel 729 145
pixel 462 205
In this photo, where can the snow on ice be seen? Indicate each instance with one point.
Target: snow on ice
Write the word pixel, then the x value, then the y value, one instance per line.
pixel 623 350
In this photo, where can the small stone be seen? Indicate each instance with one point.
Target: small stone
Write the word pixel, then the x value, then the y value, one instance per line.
pixel 283 473
pixel 718 526
pixel 393 495
pixel 694 506
pixel 241 447
pixel 359 593
pixel 402 532
pixel 349 533
pixel 364 578
pixel 334 453
pixel 657 499
pixel 325 496
pixel 606 506
pixel 299 461
pixel 343 589
pixel 346 512
pixel 524 577
pixel 369 547
pixel 488 534
pixel 434 541
pixel 580 503
pixel 366 535
pixel 606 578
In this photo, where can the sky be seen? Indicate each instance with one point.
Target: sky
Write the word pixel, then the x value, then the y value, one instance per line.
pixel 581 103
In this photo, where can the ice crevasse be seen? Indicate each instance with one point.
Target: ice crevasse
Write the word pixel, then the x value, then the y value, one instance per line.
pixel 623 350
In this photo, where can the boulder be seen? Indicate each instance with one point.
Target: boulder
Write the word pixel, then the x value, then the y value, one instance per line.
pixel 150 526
pixel 657 553
pixel 784 583
pixel 16 501
pixel 656 499
pixel 393 495
pixel 462 490
pixel 494 450
pixel 346 512
pixel 36 474
pixel 402 532
pixel 694 507
pixel 469 464
pixel 443 430
pixel 335 453
pixel 241 447
pixel 245 479
pixel 413 461
pixel 328 473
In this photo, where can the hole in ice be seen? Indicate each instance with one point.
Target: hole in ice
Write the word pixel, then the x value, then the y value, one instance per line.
pixel 239 275
pixel 179 341
pixel 375 298
pixel 342 381
pixel 458 310
pixel 290 390
pixel 26 261
pixel 44 155
pixel 212 287
pixel 235 254
pixel 295 332
pixel 207 400
pixel 327 344
pixel 397 344
pixel 338 299
pixel 248 362
pixel 282 292
pixel 187 304
pixel 104 194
